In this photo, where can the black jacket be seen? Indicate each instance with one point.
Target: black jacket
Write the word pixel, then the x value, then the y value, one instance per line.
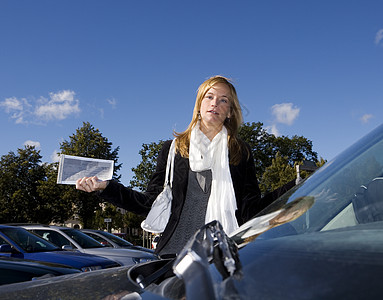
pixel 247 193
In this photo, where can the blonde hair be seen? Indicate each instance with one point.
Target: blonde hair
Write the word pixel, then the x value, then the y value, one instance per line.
pixel 232 125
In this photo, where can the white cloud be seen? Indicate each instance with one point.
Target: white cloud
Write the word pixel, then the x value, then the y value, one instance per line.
pixel 17 108
pixel 101 110
pixel 55 156
pixel 366 118
pixel 379 36
pixel 273 129
pixel 112 102
pixel 12 104
pixel 32 143
pixel 285 113
pixel 60 106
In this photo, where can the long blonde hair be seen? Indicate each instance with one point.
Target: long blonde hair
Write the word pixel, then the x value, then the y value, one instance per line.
pixel 232 125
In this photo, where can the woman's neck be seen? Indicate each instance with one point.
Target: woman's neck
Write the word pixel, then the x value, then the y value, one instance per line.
pixel 210 131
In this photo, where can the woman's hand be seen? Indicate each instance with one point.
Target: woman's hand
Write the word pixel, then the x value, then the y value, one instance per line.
pixel 91 184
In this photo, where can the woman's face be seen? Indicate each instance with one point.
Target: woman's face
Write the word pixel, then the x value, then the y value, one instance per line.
pixel 215 106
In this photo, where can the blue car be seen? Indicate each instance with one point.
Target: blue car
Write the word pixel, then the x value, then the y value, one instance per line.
pixel 19 243
pixel 13 270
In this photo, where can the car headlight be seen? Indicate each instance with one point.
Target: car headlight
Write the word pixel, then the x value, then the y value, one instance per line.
pixel 90 268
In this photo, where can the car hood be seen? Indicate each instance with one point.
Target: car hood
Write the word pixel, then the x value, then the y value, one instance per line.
pixel 343 263
pixel 89 285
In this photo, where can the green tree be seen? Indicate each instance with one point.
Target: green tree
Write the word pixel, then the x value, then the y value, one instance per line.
pixel 321 162
pixel 144 170
pixel 20 175
pixel 261 144
pixel 297 148
pixel 56 206
pixel 265 147
pixel 277 174
pixel 89 142
pixel 142 174
pixel 111 212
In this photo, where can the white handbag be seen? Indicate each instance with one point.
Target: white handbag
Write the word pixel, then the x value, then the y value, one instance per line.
pixel 159 214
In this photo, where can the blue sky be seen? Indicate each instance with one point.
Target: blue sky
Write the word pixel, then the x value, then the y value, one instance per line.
pixel 132 68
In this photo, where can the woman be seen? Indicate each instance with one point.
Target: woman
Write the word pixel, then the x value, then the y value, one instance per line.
pixel 214 172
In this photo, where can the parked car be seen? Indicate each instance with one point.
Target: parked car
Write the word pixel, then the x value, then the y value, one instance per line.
pixel 112 240
pixel 14 270
pixel 74 239
pixel 19 243
pixel 323 239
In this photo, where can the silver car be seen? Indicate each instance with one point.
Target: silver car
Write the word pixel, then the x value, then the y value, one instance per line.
pixel 74 239
pixel 111 240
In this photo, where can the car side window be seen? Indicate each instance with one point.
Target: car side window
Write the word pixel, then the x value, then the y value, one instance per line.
pixel 99 239
pixel 54 237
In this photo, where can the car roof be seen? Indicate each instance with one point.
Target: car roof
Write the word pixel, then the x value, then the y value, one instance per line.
pixel 91 230
pixel 43 226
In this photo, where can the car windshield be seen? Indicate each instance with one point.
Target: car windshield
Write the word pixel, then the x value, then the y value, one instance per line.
pixel 346 191
pixel 29 242
pixel 82 239
pixel 119 241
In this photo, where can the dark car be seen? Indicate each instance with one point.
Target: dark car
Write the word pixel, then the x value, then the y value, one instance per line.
pixel 111 240
pixel 74 239
pixel 14 270
pixel 19 243
pixel 323 239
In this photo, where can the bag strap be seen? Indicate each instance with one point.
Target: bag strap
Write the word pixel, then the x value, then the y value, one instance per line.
pixel 170 164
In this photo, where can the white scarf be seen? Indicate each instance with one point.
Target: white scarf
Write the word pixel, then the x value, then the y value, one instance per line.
pixel 205 154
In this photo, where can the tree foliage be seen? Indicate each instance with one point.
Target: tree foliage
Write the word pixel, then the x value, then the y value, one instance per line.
pixel 21 197
pixel 111 212
pixel 147 166
pixel 265 146
pixel 19 175
pixel 279 173
pixel 89 142
pixel 56 206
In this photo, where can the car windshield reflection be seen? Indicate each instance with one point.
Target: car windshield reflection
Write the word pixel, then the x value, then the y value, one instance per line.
pixel 82 239
pixel 28 241
pixel 119 241
pixel 344 192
